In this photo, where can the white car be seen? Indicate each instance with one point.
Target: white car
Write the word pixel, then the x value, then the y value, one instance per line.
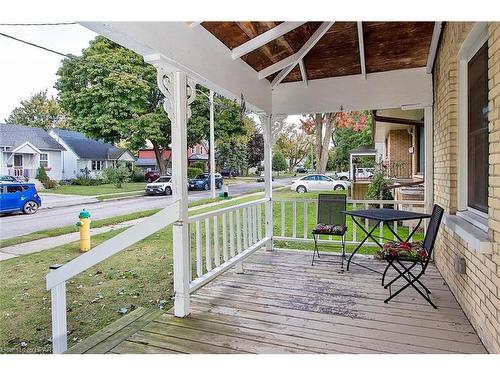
pixel 343 176
pixel 318 182
pixel 162 185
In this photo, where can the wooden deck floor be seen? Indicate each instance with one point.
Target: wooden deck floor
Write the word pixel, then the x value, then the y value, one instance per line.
pixel 281 304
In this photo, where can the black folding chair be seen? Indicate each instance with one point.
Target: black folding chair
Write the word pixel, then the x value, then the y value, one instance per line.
pixel 330 221
pixel 404 257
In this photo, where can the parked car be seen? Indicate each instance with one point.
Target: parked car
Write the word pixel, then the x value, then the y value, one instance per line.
pixel 301 170
pixel 229 173
pixel 261 177
pixel 151 176
pixel 9 179
pixel 17 196
pixel 343 176
pixel 202 181
pixel 162 185
pixel 318 182
pixel 364 172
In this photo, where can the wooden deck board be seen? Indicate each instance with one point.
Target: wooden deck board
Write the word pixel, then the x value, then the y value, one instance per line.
pixel 282 304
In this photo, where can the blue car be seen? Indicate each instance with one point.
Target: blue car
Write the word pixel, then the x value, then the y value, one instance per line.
pixel 202 181
pixel 19 197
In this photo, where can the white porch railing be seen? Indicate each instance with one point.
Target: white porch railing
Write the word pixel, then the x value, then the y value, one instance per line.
pixel 56 279
pixel 22 172
pixel 290 210
pixel 221 239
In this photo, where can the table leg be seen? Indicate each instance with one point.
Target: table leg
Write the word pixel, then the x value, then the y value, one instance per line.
pixel 368 235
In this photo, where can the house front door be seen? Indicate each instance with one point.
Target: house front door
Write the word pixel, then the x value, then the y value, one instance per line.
pixel 18 165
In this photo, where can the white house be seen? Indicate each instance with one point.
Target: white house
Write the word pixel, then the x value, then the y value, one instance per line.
pixel 23 149
pixel 84 156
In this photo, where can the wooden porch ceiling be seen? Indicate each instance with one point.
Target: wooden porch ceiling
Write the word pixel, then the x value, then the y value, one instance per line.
pixel 282 304
pixel 387 46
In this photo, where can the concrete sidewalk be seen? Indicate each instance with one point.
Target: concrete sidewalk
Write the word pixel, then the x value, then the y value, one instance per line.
pixel 52 200
pixel 51 242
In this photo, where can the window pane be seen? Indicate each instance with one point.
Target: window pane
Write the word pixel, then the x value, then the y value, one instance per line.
pixel 477 175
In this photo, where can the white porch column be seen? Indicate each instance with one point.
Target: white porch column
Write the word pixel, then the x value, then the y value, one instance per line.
pixel 266 122
pixel 212 145
pixel 429 158
pixel 179 93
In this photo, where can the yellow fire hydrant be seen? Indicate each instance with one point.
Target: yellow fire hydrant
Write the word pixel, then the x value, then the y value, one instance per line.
pixel 84 225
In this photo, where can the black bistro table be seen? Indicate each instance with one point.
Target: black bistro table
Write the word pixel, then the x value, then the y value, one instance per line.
pixel 386 216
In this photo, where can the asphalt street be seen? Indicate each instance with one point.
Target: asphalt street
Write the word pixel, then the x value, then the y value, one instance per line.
pixel 17 224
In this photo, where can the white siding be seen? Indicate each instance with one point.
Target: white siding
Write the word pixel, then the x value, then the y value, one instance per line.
pixel 55 165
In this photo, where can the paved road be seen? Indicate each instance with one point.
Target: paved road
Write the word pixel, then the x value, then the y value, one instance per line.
pixel 13 225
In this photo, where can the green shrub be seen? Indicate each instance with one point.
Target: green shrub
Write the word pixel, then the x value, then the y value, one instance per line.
pixel 138 175
pixel 193 172
pixel 199 165
pixel 117 175
pixel 82 181
pixel 375 188
pixel 41 175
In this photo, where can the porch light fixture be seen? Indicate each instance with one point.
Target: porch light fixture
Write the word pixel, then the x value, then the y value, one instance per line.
pixel 460 265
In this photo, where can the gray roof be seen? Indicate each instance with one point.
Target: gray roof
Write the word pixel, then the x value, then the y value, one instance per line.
pixel 145 162
pixel 86 148
pixel 15 135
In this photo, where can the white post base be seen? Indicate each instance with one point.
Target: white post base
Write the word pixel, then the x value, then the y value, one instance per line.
pixel 238 268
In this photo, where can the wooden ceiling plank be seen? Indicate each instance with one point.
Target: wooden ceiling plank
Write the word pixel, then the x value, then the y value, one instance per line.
pixel 295 58
pixel 361 49
pixel 303 72
pixel 438 26
pixel 264 38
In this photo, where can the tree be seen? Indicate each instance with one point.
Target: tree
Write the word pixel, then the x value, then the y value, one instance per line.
pixel 347 139
pixel 279 162
pixel 255 149
pixel 232 154
pixel 110 93
pixel 294 144
pixel 38 111
pixel 324 125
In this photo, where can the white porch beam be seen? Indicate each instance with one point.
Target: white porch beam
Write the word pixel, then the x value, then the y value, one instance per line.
pixel 196 52
pixel 264 38
pixel 384 90
pixel 281 75
pixel 194 24
pixel 438 26
pixel 303 72
pixel 361 43
pixel 296 57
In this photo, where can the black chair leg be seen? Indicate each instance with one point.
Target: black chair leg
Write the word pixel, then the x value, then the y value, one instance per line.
pixel 315 248
pixel 343 253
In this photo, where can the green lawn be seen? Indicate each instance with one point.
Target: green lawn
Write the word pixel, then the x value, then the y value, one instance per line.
pixel 138 276
pixel 98 189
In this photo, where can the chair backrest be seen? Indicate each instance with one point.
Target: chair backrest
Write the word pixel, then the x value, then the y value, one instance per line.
pixel 330 207
pixel 432 229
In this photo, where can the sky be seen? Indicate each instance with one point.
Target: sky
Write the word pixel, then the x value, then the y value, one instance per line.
pixel 25 70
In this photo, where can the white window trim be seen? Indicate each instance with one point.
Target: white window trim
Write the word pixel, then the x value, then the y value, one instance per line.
pixel 471 45
pixel 48 159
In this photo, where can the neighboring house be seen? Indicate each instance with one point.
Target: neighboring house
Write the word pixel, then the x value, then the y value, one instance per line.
pixel 84 156
pixel 399 140
pixel 146 159
pixel 23 149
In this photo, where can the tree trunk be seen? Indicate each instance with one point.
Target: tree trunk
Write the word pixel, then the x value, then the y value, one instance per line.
pixel 159 161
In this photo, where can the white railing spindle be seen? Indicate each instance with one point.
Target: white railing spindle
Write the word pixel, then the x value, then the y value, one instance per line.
pixel 282 219
pixel 208 255
pixel 216 242
pixel 199 256
pixel 294 218
pixel 224 237
pixel 231 234
pixel 306 215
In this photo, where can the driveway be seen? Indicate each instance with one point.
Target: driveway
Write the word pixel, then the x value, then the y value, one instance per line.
pixel 17 224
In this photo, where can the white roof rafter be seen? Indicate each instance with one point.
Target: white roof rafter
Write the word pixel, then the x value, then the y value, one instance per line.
pixel 303 72
pixel 264 38
pixel 361 49
pixel 294 59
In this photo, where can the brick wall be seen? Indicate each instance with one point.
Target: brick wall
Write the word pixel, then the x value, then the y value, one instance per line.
pixel 398 143
pixel 478 290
